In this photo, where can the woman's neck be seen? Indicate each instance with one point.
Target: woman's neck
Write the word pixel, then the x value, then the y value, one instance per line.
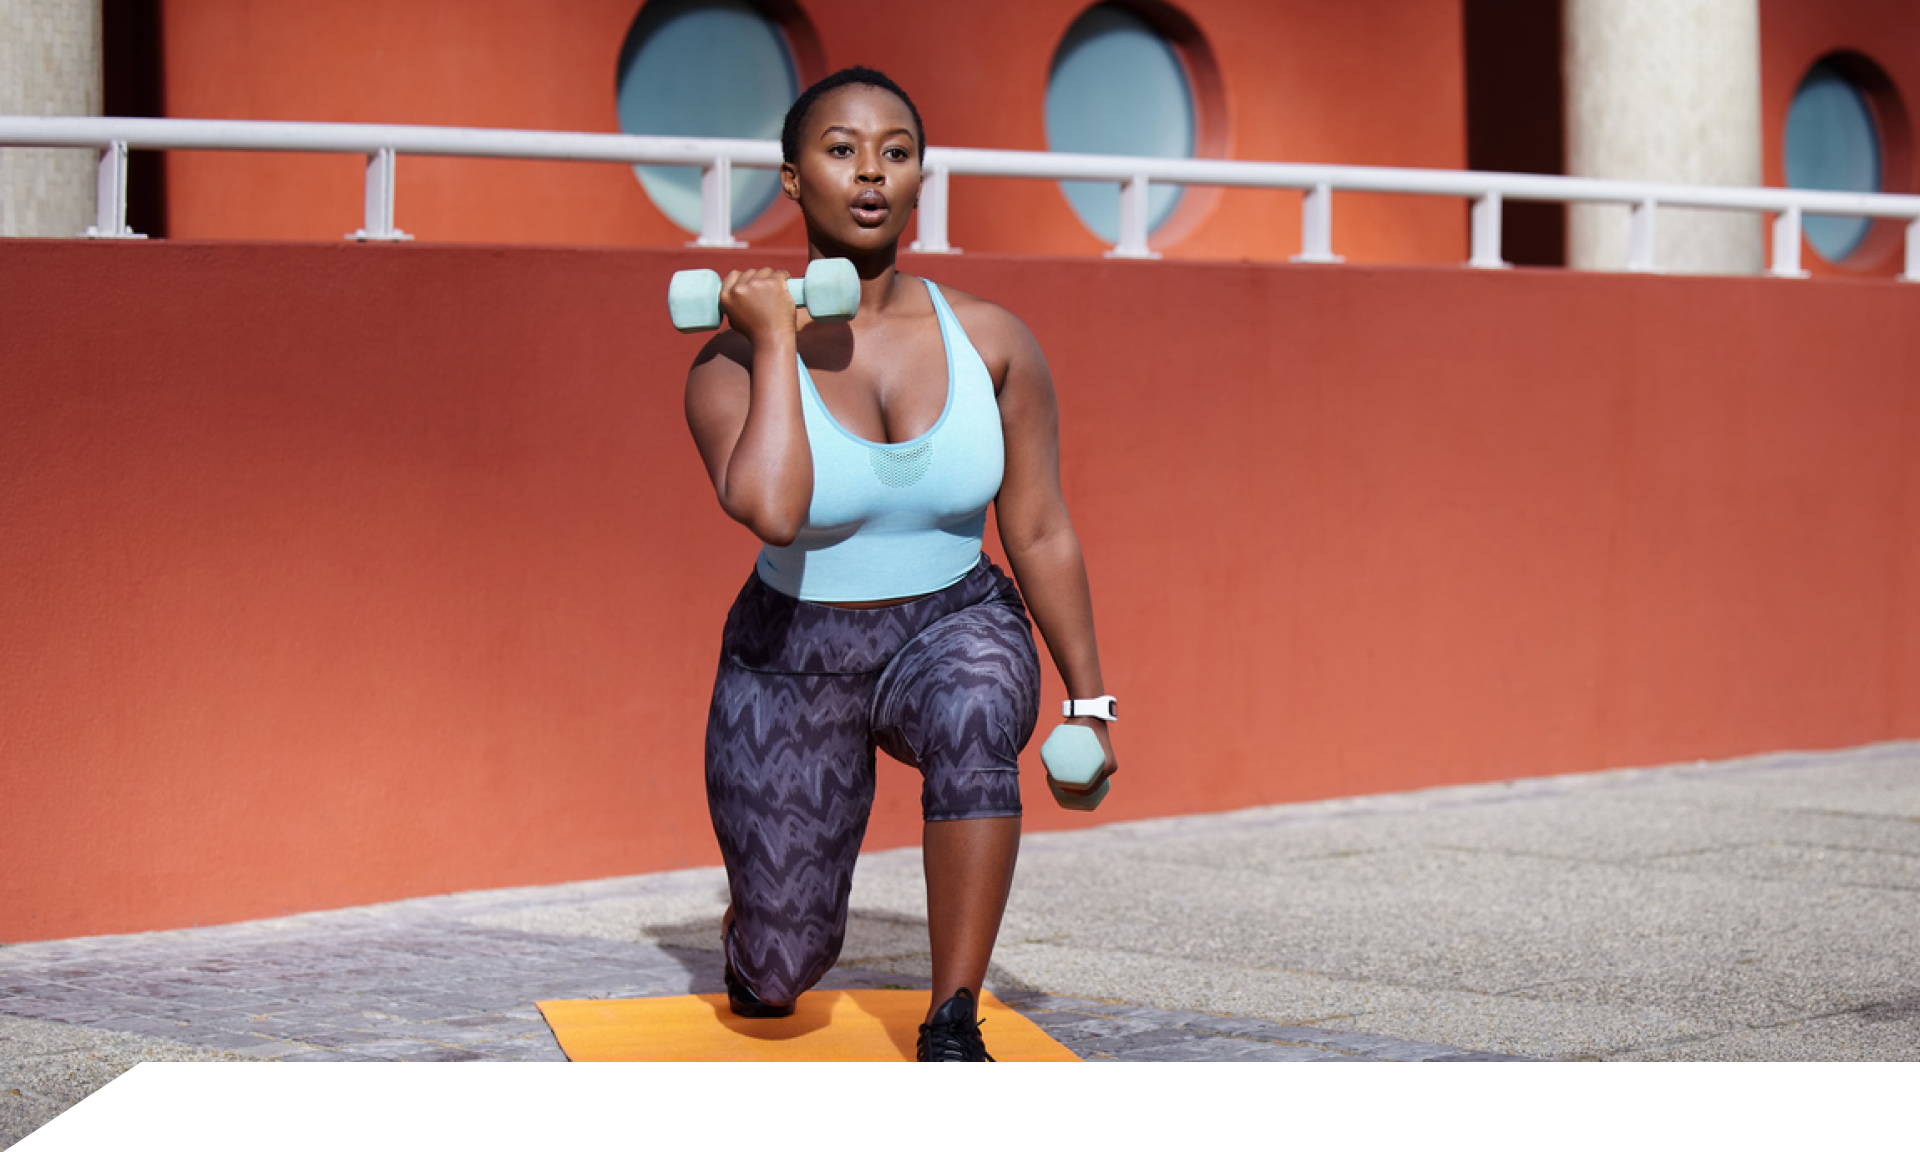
pixel 879 279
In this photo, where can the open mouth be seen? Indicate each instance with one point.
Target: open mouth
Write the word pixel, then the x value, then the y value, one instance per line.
pixel 869 208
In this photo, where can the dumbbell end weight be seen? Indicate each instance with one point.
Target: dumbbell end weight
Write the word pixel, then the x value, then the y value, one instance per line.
pixel 693 300
pixel 1072 755
pixel 832 290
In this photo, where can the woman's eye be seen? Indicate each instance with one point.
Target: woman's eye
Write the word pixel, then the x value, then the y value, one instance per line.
pixel 896 153
pixel 840 150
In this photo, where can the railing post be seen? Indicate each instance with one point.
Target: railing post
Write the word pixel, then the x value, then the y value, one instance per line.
pixel 110 196
pixel 716 206
pixel 1640 252
pixel 1133 222
pixel 1786 245
pixel 1912 275
pixel 932 213
pixel 379 209
pixel 1316 227
pixel 1485 249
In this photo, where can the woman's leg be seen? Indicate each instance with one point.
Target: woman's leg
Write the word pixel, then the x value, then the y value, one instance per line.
pixel 969 874
pixel 959 702
pixel 789 788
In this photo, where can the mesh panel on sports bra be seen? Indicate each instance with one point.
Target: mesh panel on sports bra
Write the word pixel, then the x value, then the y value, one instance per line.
pixel 898 469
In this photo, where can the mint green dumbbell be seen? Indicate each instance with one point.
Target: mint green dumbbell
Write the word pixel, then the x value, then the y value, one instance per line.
pixel 830 291
pixel 1073 756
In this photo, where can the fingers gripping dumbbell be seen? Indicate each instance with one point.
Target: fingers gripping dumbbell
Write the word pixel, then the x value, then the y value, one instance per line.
pixel 1073 756
pixel 830 291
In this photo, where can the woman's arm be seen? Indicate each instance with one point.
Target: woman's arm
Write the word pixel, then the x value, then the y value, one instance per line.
pixel 743 407
pixel 1035 529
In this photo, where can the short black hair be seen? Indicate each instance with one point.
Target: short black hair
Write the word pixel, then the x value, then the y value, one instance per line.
pixel 871 78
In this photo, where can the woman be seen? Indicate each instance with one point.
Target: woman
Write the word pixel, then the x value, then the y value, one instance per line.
pixel 863 455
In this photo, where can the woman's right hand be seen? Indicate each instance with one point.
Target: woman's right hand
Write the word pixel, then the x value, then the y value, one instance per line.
pixel 757 304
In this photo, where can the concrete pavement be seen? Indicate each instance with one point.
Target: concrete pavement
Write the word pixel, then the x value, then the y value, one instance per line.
pixel 1759 909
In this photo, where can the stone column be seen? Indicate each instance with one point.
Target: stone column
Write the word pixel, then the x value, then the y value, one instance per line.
pixel 49 66
pixel 1665 90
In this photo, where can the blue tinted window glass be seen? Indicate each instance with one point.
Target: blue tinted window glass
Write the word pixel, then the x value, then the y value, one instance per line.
pixel 1118 88
pixel 1832 144
pixel 705 68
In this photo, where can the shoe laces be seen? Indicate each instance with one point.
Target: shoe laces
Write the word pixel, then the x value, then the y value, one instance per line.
pixel 953 1034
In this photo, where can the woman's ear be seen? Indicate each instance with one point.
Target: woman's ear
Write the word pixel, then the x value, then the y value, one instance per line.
pixel 790 181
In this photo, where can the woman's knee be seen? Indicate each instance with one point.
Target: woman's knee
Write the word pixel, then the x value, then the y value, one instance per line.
pixel 784 953
pixel 960 703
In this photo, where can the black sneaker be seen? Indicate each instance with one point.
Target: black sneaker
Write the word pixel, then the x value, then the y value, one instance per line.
pixel 953 1033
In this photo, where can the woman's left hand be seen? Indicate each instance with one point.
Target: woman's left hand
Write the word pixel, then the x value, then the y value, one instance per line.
pixel 1110 768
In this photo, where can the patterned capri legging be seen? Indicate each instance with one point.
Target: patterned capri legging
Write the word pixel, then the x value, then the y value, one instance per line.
pixel 948 683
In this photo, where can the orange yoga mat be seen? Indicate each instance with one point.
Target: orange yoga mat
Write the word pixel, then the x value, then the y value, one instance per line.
pixel 847 1025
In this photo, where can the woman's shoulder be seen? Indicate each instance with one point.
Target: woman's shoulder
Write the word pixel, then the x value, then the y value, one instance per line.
pixel 996 333
pixel 724 353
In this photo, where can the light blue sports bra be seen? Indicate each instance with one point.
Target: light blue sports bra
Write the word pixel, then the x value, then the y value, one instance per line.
pixel 891 520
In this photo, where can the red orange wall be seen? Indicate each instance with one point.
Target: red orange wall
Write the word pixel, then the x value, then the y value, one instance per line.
pixel 338 574
pixel 1361 82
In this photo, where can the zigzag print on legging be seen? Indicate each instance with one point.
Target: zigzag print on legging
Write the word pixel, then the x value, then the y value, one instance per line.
pixel 948 683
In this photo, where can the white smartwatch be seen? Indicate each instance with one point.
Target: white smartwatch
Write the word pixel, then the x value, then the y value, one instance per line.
pixel 1100 708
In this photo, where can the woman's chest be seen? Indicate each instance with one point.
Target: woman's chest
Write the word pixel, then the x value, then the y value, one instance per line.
pixel 888 388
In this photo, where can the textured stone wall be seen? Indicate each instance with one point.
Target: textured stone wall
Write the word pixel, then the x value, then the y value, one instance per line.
pixel 1665 90
pixel 49 66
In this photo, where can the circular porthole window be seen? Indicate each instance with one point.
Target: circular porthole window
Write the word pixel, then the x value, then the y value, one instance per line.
pixel 1833 143
pixel 1118 87
pixel 705 68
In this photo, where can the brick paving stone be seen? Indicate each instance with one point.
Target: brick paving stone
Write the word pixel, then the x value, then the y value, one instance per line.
pixel 448 1056
pixel 549 1052
pixel 1105 1030
pixel 143 1025
pixel 270 1050
pixel 1143 1039
pixel 1279 1033
pixel 491 1020
pixel 338 1041
pixel 1165 1016
pixel 217 1040
pixel 414 1051
pixel 1227 1048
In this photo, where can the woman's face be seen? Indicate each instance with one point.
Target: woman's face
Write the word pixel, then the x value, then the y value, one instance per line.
pixel 856 175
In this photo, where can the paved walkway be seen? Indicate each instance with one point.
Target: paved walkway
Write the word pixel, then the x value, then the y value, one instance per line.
pixel 1758 909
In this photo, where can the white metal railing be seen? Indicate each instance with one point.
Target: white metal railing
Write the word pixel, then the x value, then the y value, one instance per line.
pixel 382 144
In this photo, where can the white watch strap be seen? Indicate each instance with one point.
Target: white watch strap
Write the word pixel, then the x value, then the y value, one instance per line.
pixel 1099 707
